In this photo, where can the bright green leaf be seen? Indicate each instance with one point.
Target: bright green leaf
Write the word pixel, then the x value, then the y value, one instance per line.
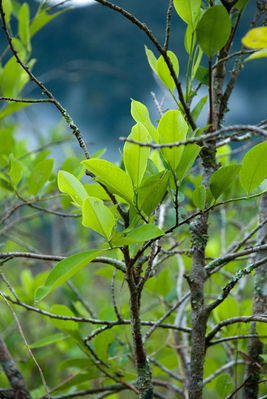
pixel 64 270
pixel 222 179
pixel 228 308
pixel 69 184
pixel 13 78
pixel 156 159
pixel 213 29
pixel 11 108
pixel 187 161
pixel 97 216
pixel 112 176
pixel 172 128
pixel 254 167
pixel 152 60
pixel 39 175
pixel 188 10
pixel 135 157
pixel 140 114
pixel 7 8
pixel 95 190
pixel 163 71
pixel 24 20
pixel 41 19
pixel 223 154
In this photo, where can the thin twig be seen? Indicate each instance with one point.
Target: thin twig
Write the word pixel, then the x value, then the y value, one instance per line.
pixel 168 25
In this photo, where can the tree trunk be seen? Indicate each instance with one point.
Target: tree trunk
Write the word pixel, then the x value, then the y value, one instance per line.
pixel 255 346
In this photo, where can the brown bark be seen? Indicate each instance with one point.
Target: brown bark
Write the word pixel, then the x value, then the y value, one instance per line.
pixel 13 374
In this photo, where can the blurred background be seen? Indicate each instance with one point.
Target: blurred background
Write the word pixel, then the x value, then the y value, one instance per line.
pixel 93 60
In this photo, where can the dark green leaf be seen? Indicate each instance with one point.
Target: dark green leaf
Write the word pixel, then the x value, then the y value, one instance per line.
pixel 213 29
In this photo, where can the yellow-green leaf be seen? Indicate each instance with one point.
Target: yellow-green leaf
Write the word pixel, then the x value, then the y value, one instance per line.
pixel 69 184
pixel 140 114
pixel 172 128
pixel 135 157
pixel 256 38
pixel 112 176
pixel 97 216
pixel 163 71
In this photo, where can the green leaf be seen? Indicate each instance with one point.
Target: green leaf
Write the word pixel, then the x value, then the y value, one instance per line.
pixel 39 175
pixel 102 343
pixel 145 233
pixel 135 157
pixel 228 308
pixel 187 161
pixel 15 171
pixel 65 325
pixel 69 184
pixel 198 108
pixel 7 8
pixel 262 331
pixel 64 270
pixel 223 154
pixel 163 71
pixel 199 197
pixel 11 108
pixel 152 60
pixel 223 386
pixel 189 39
pixel 41 19
pixel 254 167
pixel 241 4
pixel 202 75
pixel 213 29
pixel 95 190
pixel 97 216
pixel 112 176
pixel 140 114
pixel 256 38
pixel 222 179
pixel 172 128
pixel 48 340
pixel 188 10
pixel 24 20
pixel 13 78
pixel 152 191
